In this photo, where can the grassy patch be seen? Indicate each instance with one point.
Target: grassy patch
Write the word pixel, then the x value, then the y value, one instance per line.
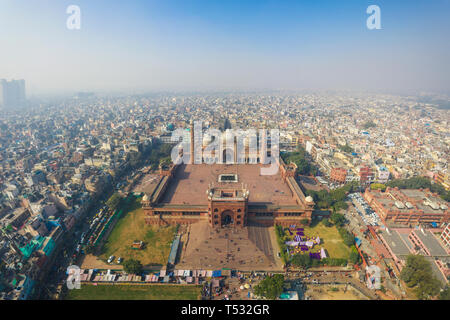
pixel 135 292
pixel 331 241
pixel 131 227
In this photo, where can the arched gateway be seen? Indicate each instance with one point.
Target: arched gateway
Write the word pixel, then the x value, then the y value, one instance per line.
pixel 227 207
pixel 227 218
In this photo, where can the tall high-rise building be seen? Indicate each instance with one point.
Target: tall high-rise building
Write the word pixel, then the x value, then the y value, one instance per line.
pixel 12 94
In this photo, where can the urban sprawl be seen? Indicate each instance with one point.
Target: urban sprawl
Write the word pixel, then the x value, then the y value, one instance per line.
pixel 88 181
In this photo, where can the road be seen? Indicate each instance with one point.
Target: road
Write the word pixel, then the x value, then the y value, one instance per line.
pixel 48 288
pixel 260 236
pixel 338 278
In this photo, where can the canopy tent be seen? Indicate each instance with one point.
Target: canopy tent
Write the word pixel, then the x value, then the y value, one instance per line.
pixel 217 273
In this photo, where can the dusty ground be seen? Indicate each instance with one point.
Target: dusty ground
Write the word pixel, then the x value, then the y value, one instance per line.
pixel 205 248
pixel 92 262
pixel 310 184
pixel 325 292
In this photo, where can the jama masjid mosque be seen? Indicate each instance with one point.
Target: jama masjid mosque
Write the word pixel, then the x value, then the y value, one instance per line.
pixel 225 194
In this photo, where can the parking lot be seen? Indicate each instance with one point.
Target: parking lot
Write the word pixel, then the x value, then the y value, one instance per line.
pixel 368 216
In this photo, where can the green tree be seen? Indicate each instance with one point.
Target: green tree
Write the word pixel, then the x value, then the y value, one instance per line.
pixel 279 231
pixel 420 183
pixel 334 199
pixel 132 266
pixel 271 287
pixel 369 124
pixel 88 250
pixel 354 257
pixel 304 222
pixel 165 161
pixel 114 202
pixel 445 294
pixel 378 186
pixel 299 157
pixel 327 223
pixel 340 205
pixel 347 237
pixel 338 194
pixel 338 219
pixel 346 148
pixel 418 274
pixel 302 260
pixel 134 159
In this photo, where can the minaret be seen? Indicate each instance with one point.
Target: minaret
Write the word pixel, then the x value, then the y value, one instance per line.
pixel 192 160
pixel 235 151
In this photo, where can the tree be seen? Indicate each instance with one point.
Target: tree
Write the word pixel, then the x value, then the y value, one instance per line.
pixel 338 194
pixel 302 260
pixel 378 186
pixel 134 159
pixel 165 161
pixel 327 223
pixel 338 219
pixel 418 274
pixel 304 221
pixel 338 206
pixel 347 237
pixel 335 199
pixel 420 183
pixel 354 256
pixel 445 294
pixel 299 157
pixel 303 166
pixel 132 266
pixel 114 202
pixel 271 287
pixel 346 148
pixel 279 231
pixel 369 124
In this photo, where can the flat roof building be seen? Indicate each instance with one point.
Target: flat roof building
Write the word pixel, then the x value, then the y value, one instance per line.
pixel 445 236
pixel 408 206
pixel 206 192
pixel 401 242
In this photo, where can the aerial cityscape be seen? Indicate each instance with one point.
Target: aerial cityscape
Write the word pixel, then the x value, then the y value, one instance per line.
pixel 114 186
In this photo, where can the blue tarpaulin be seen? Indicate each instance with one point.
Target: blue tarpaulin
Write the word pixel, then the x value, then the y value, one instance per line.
pixel 217 273
pixel 174 250
pixel 53 224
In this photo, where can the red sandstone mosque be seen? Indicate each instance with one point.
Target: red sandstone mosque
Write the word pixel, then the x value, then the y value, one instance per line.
pixel 225 194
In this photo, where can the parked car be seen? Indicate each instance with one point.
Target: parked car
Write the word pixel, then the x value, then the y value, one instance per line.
pixel 111 259
pixel 120 260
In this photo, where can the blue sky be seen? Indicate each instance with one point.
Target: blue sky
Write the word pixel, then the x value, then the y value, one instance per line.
pixel 214 45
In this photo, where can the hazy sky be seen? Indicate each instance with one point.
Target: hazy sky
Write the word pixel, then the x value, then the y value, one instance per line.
pixel 227 44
